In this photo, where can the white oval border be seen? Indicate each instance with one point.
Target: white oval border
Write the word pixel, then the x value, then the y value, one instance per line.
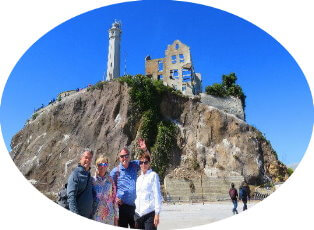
pixel 24 22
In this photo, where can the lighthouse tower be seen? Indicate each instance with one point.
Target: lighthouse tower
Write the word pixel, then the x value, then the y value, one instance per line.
pixel 113 65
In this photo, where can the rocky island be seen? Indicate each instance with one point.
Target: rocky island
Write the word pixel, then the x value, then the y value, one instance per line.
pixel 197 149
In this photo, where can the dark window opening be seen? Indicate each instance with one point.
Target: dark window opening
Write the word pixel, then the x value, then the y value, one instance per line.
pixel 175 73
pixel 186 72
pixel 174 59
pixel 181 56
pixel 160 66
pixel 160 77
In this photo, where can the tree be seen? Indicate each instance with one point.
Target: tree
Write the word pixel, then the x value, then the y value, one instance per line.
pixel 216 90
pixel 229 80
pixel 228 87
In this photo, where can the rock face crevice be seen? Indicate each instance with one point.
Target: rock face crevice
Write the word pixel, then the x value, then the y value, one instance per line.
pixel 210 143
pixel 219 144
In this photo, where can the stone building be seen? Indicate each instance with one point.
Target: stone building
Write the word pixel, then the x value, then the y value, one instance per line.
pixel 175 69
pixel 113 64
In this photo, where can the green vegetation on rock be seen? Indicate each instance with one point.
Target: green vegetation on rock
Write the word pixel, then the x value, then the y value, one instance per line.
pixel 99 85
pixel 149 126
pixel 290 171
pixel 34 116
pixel 160 151
pixel 146 97
pixel 228 87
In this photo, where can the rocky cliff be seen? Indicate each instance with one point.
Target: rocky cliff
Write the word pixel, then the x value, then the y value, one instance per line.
pixel 209 142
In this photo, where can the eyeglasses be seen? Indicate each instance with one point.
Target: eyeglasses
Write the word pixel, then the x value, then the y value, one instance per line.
pixel 126 156
pixel 102 164
pixel 144 162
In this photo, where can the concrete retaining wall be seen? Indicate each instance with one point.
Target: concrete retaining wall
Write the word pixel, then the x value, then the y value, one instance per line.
pixel 199 189
pixel 230 105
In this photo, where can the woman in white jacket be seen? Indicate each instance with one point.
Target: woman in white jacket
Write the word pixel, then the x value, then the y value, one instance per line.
pixel 148 196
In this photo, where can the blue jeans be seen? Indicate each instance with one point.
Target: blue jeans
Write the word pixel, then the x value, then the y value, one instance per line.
pixel 235 205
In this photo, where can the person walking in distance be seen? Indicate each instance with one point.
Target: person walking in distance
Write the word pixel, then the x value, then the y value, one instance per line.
pixel 80 188
pixel 233 193
pixel 125 176
pixel 244 194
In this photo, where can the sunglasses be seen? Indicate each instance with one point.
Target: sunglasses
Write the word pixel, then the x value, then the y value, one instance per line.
pixel 103 164
pixel 144 162
pixel 126 156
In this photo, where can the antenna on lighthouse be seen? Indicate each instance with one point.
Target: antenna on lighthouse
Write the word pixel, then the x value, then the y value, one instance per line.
pixel 125 63
pixel 103 76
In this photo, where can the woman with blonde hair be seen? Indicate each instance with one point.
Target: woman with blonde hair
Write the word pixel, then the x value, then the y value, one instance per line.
pixel 105 208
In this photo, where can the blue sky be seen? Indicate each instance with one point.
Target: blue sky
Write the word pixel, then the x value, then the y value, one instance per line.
pixel 74 54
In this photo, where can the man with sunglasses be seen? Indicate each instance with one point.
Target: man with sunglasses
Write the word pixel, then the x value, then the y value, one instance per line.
pixel 125 176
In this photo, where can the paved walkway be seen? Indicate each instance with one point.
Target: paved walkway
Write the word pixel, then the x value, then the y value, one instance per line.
pixel 175 216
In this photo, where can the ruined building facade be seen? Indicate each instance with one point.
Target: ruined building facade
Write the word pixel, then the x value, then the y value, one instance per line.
pixel 113 64
pixel 175 69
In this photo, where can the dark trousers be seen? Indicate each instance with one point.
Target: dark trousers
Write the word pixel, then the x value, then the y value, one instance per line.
pixel 244 204
pixel 126 216
pixel 145 222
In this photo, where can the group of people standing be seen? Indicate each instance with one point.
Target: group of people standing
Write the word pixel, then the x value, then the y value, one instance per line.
pixel 244 195
pixel 120 197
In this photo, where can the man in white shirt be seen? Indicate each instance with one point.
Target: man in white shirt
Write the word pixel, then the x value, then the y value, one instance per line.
pixel 148 196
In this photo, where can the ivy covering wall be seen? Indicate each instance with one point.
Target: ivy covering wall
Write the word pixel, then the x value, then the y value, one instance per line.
pixel 159 134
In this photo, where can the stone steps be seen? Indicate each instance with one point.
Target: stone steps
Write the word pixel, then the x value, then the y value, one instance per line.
pixel 197 189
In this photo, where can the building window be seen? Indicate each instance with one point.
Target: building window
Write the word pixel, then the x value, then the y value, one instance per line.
pixel 177 46
pixel 174 59
pixel 160 77
pixel 170 75
pixel 183 88
pixel 186 75
pixel 186 72
pixel 186 79
pixel 160 66
pixel 181 58
pixel 176 73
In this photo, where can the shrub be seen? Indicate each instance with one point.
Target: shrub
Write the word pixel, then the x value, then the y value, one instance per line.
pixel 148 129
pixel 195 165
pixel 229 80
pixel 217 90
pixel 143 93
pixel 99 85
pixel 34 116
pixel 161 150
pixel 290 171
pixel 227 88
